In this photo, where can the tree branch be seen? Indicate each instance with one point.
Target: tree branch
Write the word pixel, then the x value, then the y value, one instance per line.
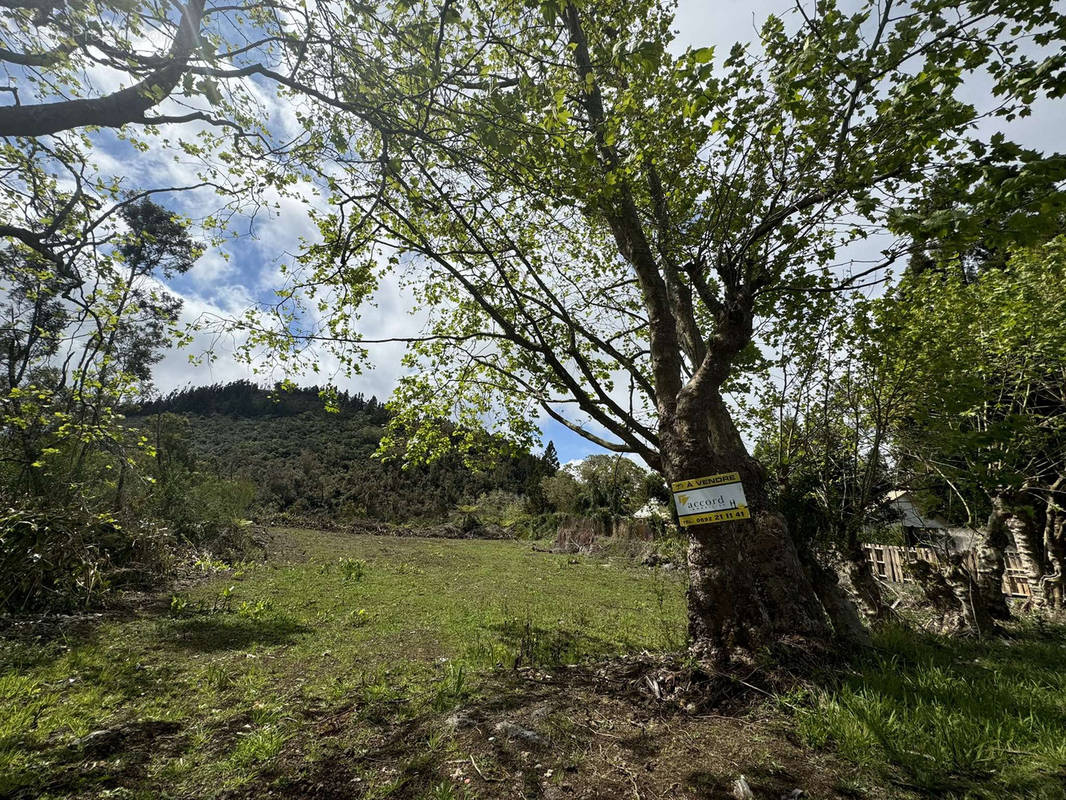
pixel 118 108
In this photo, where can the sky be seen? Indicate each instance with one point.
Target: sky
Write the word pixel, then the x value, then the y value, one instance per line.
pixel 227 280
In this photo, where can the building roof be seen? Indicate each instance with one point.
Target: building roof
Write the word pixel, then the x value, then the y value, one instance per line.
pixel 651 510
pixel 901 501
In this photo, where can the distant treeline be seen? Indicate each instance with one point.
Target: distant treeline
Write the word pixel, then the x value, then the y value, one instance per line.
pixel 244 398
pixel 313 464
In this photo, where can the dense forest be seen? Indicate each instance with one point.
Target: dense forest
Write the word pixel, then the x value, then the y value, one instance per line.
pixel 314 460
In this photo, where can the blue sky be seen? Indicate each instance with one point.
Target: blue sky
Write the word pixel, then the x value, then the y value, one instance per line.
pixel 226 286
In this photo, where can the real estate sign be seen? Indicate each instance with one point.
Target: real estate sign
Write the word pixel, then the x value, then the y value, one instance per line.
pixel 715 498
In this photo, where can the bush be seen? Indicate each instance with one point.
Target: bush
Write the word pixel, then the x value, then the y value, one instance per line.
pixel 505 510
pixel 206 513
pixel 212 509
pixel 61 554
pixel 493 508
pixel 55 558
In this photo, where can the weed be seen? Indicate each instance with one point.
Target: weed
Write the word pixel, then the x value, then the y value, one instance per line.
pixel 452 689
pixel 218 677
pixel 223 600
pixel 207 564
pixel 256 747
pixel 359 618
pixel 352 569
pixel 673 635
pixel 179 604
pixel 254 610
pixel 536 646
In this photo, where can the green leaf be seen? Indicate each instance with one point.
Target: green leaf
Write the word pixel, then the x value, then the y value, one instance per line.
pixel 703 55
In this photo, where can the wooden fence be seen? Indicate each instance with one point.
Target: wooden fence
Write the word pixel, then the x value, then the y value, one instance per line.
pixel 888 560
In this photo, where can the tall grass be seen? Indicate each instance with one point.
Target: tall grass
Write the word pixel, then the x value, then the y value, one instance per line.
pixel 952 718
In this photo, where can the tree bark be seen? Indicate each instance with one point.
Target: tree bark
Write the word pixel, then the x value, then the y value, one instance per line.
pixel 748 589
pixel 978 593
pixel 1024 533
pixel 969 591
pixel 938 592
pixel 970 600
pixel 985 595
pixel 842 613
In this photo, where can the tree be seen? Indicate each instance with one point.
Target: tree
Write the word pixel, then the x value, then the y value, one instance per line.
pixel 823 418
pixel 74 354
pixel 613 483
pixel 145 80
pixel 985 415
pixel 82 251
pixel 542 468
pixel 550 459
pixel 33 318
pixel 600 226
pixel 599 484
pixel 563 492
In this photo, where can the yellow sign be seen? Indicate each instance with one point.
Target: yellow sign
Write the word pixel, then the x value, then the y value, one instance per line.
pixel 710 480
pixel 715 498
pixel 715 516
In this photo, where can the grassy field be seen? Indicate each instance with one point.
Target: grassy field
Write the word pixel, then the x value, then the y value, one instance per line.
pixel 374 667
pixel 207 686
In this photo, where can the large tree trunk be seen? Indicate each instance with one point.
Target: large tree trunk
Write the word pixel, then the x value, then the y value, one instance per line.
pixel 976 610
pixel 842 613
pixel 978 593
pixel 748 589
pixel 985 595
pixel 970 600
pixel 939 594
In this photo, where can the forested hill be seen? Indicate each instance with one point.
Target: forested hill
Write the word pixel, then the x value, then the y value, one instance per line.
pixel 246 399
pixel 314 464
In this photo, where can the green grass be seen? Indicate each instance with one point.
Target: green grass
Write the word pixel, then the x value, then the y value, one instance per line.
pixel 255 676
pixel 952 718
pixel 200 693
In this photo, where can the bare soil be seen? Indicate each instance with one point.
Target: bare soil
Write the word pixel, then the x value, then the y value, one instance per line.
pixel 590 732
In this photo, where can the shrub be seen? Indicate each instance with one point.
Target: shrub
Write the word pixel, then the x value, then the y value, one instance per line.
pixel 208 514
pixel 55 558
pixel 352 569
pixel 59 554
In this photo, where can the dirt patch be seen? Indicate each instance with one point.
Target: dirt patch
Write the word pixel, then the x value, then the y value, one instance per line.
pixel 590 732
pixel 108 758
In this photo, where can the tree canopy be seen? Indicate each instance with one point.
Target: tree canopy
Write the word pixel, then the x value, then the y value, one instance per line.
pixel 568 195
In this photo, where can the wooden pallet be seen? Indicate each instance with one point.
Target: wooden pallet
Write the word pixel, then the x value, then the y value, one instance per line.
pixel 887 562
